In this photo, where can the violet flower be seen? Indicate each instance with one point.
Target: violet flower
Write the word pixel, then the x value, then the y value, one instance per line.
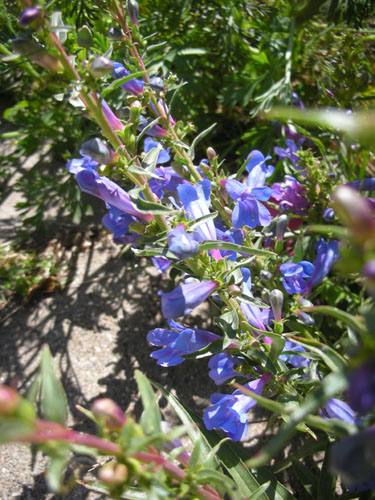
pixel 221 367
pixel 163 155
pixel 229 412
pixel 186 297
pixel 290 195
pixel 154 131
pixel 118 222
pixel 328 254
pixel 293 281
pixel 161 263
pixel 182 244
pixel 178 342
pixel 290 151
pixel 133 86
pixel 362 387
pixel 111 118
pixel 335 408
pixel 294 359
pixel 91 182
pixel 363 184
pixel 255 316
pixel 196 201
pixel 168 181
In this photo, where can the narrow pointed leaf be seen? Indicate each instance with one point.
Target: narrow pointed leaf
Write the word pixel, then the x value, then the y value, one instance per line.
pixel 151 418
pixel 53 400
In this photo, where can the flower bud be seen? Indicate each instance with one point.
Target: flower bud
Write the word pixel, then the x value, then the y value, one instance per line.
pixel 113 474
pixel 110 411
pixel 9 400
pixel 97 150
pixel 133 12
pixel 281 225
pixel 157 84
pixel 328 214
pixel 30 16
pixel 265 294
pixel 355 212
pixel 115 34
pixel 84 37
pixel 265 275
pixel 211 154
pixel 234 290
pixel 101 66
pixel 305 318
pixel 276 302
pixel 37 53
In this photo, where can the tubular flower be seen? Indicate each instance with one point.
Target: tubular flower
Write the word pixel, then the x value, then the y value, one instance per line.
pixel 91 182
pixel 118 222
pixel 221 367
pixel 294 359
pixel 290 195
pixel 229 412
pixel 182 244
pixel 293 281
pixel 133 86
pixel 327 255
pixel 178 342
pixel 335 408
pixel 362 387
pixel 196 202
pixel 290 151
pixel 186 297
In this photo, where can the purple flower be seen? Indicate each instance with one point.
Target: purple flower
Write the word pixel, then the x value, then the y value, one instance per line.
pixel 77 164
pixel 221 367
pixel 163 155
pixel 293 281
pixel 133 86
pixel 362 387
pixel 161 263
pixel 29 15
pixel 168 182
pixel 155 130
pixel 229 412
pixel 363 184
pixel 186 297
pixel 196 202
pixel 290 151
pixel 182 244
pixel 178 342
pixel 328 214
pixel 112 119
pixel 335 408
pixel 294 359
pixel 328 254
pixel 257 169
pixel 290 194
pixel 248 211
pixel 255 316
pixel 91 182
pixel 118 222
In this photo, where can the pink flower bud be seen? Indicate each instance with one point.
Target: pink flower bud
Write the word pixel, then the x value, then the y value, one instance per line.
pixel 9 400
pixel 30 16
pixel 110 411
pixel 355 212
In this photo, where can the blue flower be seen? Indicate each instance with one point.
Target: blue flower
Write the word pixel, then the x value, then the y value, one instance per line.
pixel 155 130
pixel 293 281
pixel 161 263
pixel 335 408
pixel 257 169
pixel 362 387
pixel 229 412
pixel 363 184
pixel 294 359
pixel 290 151
pixel 163 155
pixel 118 222
pixel 248 211
pixel 328 254
pixel 178 342
pixel 221 367
pixel 182 244
pixel 255 316
pixel 133 86
pixel 196 201
pixel 168 182
pixel 186 297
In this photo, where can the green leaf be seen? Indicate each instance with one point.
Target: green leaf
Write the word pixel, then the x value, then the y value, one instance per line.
pixel 259 491
pixel 229 323
pixel 355 322
pixel 329 230
pixel 192 51
pixel 53 402
pixel 148 207
pixel 225 245
pixel 55 472
pixel 151 418
pixel 149 252
pixel 13 428
pixel 330 356
pixel 212 476
pixel 327 481
pixel 202 135
pixel 305 476
pixel 145 129
pixel 117 83
pixel 205 218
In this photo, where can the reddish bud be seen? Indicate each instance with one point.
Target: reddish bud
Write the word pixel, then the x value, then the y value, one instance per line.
pixel 9 400
pixel 110 411
pixel 355 212
pixel 29 16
